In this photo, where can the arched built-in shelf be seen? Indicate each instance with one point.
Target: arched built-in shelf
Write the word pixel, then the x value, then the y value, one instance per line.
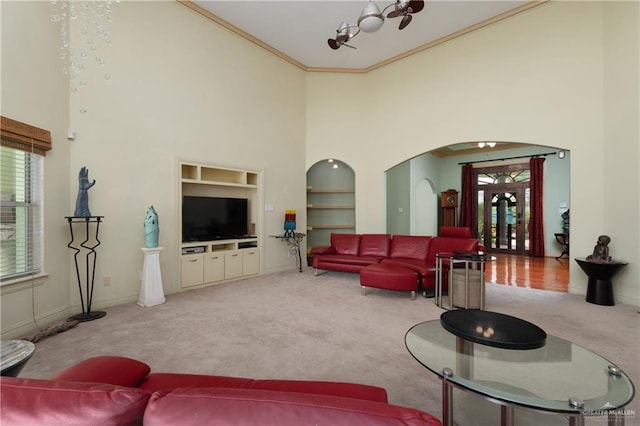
pixel 330 201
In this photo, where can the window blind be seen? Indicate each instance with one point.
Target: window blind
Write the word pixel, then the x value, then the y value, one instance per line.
pixel 20 213
pixel 22 148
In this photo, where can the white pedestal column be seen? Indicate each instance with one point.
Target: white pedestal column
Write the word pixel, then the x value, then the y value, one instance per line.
pixel 151 292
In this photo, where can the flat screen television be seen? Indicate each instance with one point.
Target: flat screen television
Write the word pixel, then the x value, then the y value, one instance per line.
pixel 213 218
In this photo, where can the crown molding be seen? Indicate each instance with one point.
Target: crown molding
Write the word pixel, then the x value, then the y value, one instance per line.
pixel 287 58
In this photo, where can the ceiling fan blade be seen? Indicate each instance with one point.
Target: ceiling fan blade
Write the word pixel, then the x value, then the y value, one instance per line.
pixel 347 45
pixel 333 44
pixel 416 6
pixel 405 21
pixel 395 13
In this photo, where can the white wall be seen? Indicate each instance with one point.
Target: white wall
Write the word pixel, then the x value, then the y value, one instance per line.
pixel 510 81
pixel 182 88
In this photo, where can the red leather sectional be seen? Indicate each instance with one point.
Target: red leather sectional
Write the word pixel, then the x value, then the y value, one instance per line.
pixel 353 252
pixel 113 390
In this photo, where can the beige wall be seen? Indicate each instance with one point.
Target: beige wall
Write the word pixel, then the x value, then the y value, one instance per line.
pixel 539 77
pixel 34 90
pixel 182 88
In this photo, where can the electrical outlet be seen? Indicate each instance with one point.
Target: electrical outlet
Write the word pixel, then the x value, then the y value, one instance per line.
pixel 106 281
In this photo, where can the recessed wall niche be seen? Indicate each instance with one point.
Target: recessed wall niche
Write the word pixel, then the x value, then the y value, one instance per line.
pixel 330 201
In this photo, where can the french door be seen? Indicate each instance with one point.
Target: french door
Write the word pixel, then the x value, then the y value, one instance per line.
pixel 504 216
pixel 503 209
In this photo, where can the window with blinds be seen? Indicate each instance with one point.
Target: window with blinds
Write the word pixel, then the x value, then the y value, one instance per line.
pixel 22 151
pixel 20 213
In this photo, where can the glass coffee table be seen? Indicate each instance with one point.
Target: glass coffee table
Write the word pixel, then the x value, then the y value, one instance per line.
pixel 558 377
pixel 14 354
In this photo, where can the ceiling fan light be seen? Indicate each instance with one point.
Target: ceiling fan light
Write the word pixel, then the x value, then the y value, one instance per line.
pixel 491 144
pixel 343 32
pixel 371 19
pixel 481 144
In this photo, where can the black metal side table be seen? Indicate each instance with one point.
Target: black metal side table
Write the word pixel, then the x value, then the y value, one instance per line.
pixel 294 246
pixel 88 245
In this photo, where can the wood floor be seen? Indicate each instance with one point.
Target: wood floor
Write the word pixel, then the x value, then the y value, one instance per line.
pixel 546 273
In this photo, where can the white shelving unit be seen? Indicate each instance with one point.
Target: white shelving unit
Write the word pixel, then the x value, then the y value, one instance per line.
pixel 215 262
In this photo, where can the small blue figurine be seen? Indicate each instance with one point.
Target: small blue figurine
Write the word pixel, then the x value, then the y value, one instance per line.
pixel 151 228
pixel 82 202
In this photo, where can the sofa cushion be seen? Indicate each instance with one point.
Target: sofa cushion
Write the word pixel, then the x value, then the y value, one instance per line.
pixel 348 390
pixel 346 243
pixel 114 370
pixel 351 260
pixel 418 266
pixel 197 406
pixel 455 232
pixel 376 245
pixel 448 244
pixel 322 250
pixel 410 247
pixel 169 381
pixel 52 402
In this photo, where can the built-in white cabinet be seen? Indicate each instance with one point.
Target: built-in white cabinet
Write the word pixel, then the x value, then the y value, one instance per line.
pixel 213 267
pixel 250 261
pixel 218 261
pixel 192 270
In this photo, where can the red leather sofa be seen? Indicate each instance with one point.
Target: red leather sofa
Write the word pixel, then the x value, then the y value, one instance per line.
pixel 353 252
pixel 113 390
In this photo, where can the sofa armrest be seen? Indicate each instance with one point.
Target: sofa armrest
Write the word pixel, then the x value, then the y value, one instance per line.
pixel 114 370
pixel 322 250
pixel 51 402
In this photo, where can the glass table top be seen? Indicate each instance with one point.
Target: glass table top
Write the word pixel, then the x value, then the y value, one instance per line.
pixel 547 378
pixel 13 352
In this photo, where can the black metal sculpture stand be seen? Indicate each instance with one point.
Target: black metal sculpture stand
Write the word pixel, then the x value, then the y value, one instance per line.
pixel 86 297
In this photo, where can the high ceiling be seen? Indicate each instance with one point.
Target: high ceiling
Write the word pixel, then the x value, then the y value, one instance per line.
pixel 298 30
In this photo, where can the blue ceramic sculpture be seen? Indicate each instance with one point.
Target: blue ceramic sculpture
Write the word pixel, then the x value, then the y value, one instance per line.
pixel 151 228
pixel 82 202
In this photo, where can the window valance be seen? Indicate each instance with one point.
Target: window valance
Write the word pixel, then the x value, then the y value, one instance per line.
pixel 18 135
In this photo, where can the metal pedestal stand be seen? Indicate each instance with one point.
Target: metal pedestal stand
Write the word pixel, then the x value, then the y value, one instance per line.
pixel 293 241
pixel 89 244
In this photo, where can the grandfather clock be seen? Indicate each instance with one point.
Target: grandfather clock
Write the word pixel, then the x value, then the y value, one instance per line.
pixel 449 205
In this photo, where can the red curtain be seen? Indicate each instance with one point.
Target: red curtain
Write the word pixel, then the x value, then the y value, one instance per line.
pixel 467 205
pixel 536 225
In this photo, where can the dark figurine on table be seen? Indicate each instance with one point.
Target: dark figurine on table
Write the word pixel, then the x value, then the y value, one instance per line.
pixel 601 250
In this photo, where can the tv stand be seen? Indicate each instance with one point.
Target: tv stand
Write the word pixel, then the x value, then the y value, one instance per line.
pixel 212 262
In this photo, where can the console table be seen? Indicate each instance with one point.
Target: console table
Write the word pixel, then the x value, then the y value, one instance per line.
pixel 293 241
pixel 563 240
pixel 89 244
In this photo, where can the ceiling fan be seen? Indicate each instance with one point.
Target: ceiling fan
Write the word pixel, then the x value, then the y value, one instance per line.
pixel 405 9
pixel 371 20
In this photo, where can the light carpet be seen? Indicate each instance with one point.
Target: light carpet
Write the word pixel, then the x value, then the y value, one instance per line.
pixel 298 326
